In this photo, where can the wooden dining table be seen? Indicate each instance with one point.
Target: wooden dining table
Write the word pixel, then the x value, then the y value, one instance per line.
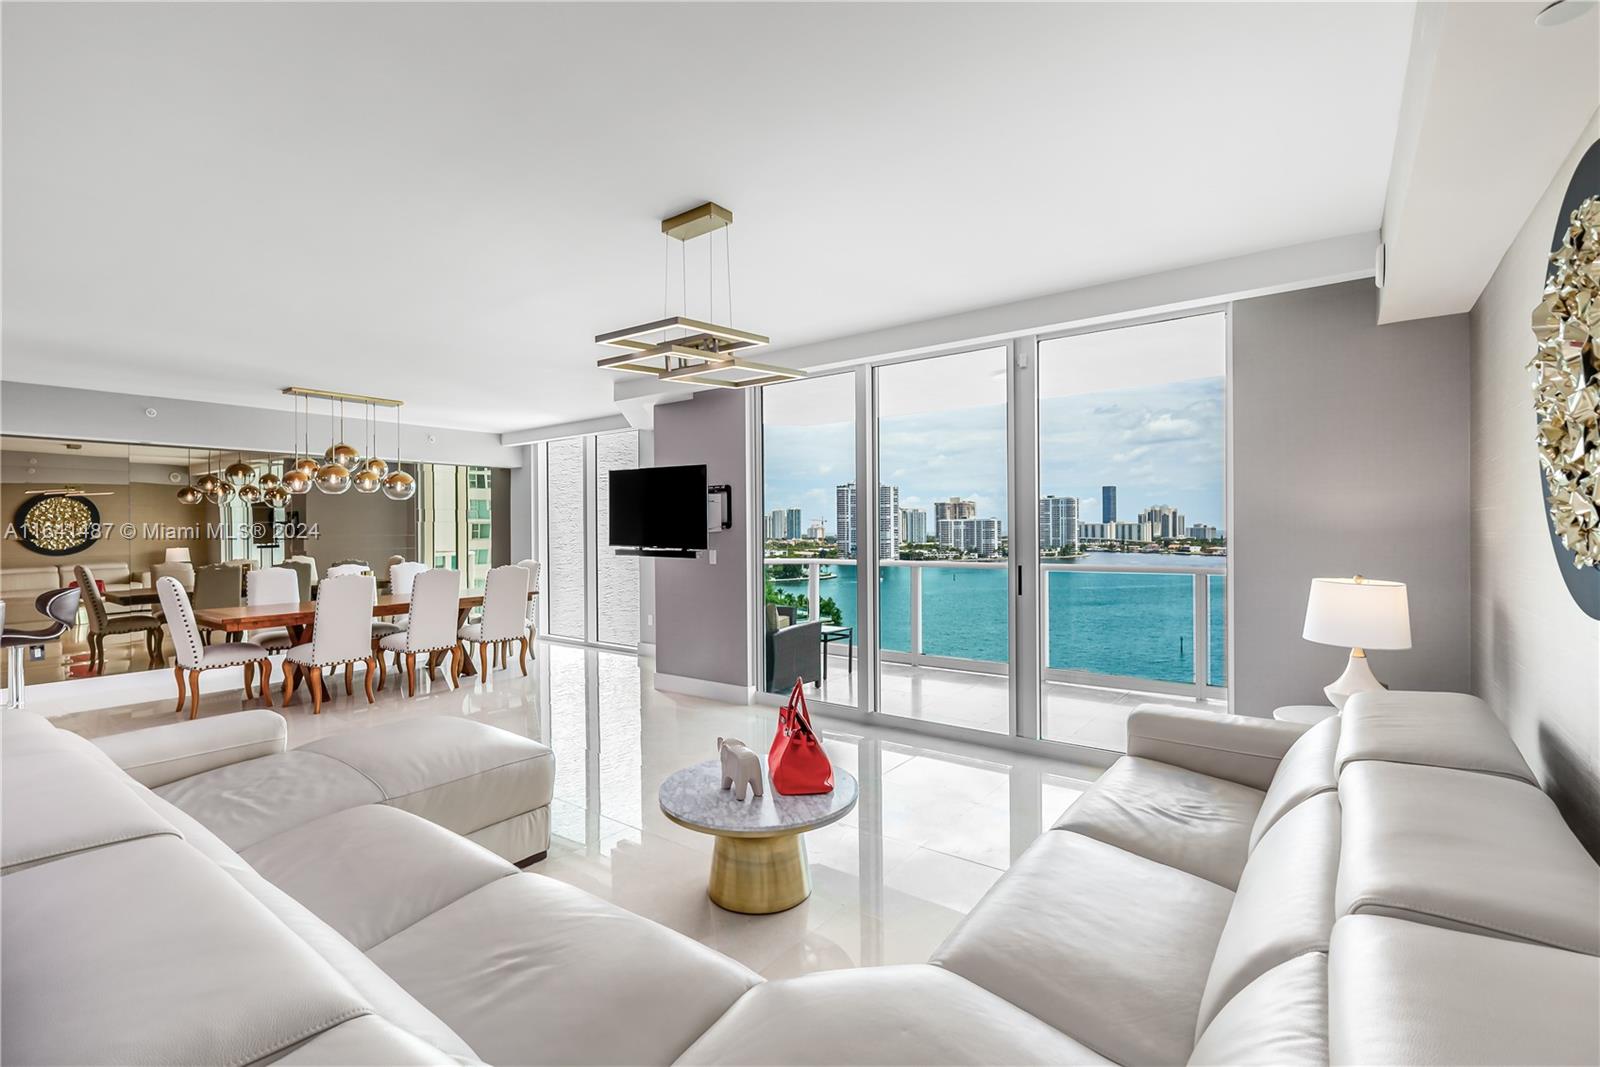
pixel 298 617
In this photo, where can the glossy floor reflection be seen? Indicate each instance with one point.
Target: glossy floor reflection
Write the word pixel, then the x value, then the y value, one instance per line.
pixel 936 825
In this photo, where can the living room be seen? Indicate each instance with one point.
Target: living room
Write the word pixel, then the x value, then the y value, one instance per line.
pixel 1106 570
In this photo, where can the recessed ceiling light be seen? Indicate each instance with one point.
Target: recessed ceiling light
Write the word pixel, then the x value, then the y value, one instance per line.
pixel 1564 11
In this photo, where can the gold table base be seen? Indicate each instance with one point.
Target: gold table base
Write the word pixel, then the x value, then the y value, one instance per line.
pixel 759 875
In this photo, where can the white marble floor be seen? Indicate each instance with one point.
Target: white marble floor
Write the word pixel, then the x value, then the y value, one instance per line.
pixel 938 821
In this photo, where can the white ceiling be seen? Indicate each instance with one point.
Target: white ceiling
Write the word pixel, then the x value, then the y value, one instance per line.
pixel 445 203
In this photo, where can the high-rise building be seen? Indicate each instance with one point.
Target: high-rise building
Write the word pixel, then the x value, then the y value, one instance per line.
pixel 1058 523
pixel 1108 503
pixel 888 522
pixel 914 525
pixel 817 530
pixel 777 525
pixel 845 519
pixel 791 523
pixel 1201 532
pixel 1095 531
pixel 1165 521
pixel 955 508
pixel 979 537
pixel 1130 531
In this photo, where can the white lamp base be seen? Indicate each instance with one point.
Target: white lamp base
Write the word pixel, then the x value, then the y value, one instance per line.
pixel 1357 678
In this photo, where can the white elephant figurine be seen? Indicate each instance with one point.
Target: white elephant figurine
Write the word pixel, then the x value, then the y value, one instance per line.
pixel 740 767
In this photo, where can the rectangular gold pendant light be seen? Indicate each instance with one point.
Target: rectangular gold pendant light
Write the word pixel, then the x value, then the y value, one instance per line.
pixel 697 352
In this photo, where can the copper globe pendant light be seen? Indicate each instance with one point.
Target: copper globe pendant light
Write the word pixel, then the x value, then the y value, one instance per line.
pixel 333 477
pixel 398 485
pixel 341 453
pixel 296 479
pixel 189 494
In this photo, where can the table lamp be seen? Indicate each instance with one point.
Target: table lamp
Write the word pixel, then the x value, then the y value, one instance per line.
pixel 1357 613
pixel 177 555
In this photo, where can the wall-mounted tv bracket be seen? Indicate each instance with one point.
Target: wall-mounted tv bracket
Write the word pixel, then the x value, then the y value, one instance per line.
pixel 726 493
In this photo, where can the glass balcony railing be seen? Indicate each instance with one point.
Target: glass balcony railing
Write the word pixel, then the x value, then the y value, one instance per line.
pixel 1102 625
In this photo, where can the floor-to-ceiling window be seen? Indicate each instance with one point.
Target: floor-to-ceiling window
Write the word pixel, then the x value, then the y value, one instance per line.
pixel 1132 531
pixel 592 593
pixel 810 625
pixel 1041 534
pixel 941 520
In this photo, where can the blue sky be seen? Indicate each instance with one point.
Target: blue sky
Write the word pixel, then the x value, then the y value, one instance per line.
pixel 1159 444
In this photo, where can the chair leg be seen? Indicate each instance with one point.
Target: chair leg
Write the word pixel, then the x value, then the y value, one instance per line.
pixel 194 693
pixel 249 678
pixel 456 655
pixel 380 667
pixel 265 687
pixel 349 678
pixel 316 690
pixel 523 655
pixel 411 674
pixel 371 666
pixel 291 671
pixel 177 674
pixel 483 659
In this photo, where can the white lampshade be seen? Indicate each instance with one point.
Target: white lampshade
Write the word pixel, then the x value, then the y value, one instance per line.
pixel 1358 613
pixel 177 555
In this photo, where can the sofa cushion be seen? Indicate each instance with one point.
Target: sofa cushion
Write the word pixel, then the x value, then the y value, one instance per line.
pixel 1284 906
pixel 57 800
pixel 372 871
pixel 1306 770
pixel 146 952
pixel 1106 946
pixel 157 755
pixel 365 1041
pixel 1178 817
pixel 376 988
pixel 461 774
pixel 1430 729
pixel 244 803
pixel 1405 992
pixel 881 1015
pixel 1280 1018
pixel 531 970
pixel 1471 851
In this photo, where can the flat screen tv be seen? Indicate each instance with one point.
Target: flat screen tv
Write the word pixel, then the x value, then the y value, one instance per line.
pixel 659 508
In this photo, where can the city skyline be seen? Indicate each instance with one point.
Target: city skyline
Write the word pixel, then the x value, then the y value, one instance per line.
pixel 1160 445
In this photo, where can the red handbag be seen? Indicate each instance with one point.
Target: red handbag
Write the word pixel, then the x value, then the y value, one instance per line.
pixel 797 762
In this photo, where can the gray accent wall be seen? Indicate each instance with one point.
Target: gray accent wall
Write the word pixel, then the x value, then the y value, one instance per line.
pixel 1535 655
pixel 1348 455
pixel 703 610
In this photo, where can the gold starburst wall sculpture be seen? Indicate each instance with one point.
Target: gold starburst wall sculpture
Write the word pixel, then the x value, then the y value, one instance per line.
pixel 1566 385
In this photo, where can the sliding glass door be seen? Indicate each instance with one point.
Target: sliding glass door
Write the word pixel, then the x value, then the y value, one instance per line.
pixel 1024 539
pixel 590 593
pixel 1132 531
pixel 941 521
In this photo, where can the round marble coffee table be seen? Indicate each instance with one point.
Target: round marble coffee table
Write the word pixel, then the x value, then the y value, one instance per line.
pixel 759 863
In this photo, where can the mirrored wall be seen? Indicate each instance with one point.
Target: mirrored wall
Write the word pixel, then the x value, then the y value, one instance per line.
pixel 117 511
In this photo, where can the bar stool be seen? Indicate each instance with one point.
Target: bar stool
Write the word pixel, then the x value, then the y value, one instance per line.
pixel 59 605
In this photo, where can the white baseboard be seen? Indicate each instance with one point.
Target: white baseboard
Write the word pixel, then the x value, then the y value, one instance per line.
pixel 51 699
pixel 726 692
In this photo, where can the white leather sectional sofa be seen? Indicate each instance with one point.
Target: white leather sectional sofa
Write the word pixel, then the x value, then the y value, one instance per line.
pixel 1389 887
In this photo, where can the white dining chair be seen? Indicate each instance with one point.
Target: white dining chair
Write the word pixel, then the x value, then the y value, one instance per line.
pixel 194 655
pixel 272 585
pixel 344 570
pixel 534 569
pixel 182 570
pixel 430 627
pixel 505 615
pixel 341 635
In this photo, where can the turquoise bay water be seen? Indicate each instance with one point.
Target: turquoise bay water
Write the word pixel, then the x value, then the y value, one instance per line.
pixel 1124 623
